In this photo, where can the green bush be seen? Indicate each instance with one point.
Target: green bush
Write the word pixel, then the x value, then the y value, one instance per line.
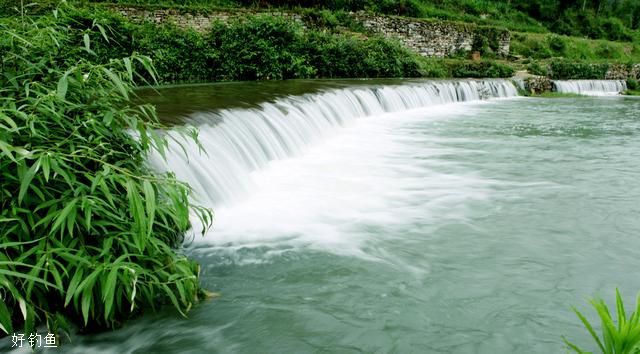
pixel 434 68
pixel 486 40
pixel 557 44
pixel 482 69
pixel 632 84
pixel 18 7
pixel 565 70
pixel 257 49
pixel 87 230
pixel 536 68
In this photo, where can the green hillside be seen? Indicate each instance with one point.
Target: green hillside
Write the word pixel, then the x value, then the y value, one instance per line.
pixel 617 20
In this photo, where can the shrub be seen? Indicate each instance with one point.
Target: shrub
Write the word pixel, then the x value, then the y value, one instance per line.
pixel 433 69
pixel 480 69
pixel 260 48
pixel 564 70
pixel 557 44
pixel 536 69
pixel 254 48
pixel 86 229
pixel 486 40
pixel 632 84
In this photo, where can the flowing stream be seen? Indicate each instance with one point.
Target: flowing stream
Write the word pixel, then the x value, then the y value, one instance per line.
pixel 400 217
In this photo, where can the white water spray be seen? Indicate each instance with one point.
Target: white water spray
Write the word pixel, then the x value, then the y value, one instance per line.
pixel 240 141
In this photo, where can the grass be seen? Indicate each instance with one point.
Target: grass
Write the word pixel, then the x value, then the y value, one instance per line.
pixel 622 337
pixel 631 93
pixel 491 14
pixel 547 46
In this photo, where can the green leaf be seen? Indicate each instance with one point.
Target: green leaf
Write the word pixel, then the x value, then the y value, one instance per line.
pixel 7 150
pixel 87 296
pixel 26 180
pixel 117 82
pixel 63 85
pixel 46 167
pixel 590 329
pixel 5 319
pixel 26 276
pixel 108 294
pixel 62 217
pixel 87 44
pixel 9 121
pixel 127 65
pixel 73 285
pixel 30 321
pixel 150 201
pixel 102 31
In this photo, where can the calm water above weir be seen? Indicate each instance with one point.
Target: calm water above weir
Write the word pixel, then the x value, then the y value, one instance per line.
pixel 462 227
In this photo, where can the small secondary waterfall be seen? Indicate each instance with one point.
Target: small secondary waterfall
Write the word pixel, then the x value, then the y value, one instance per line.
pixel 238 141
pixel 591 87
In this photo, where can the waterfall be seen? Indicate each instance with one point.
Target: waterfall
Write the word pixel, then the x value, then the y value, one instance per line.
pixel 590 87
pixel 238 141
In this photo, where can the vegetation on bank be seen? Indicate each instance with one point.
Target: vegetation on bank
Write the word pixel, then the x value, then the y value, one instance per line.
pixel 266 48
pixel 622 337
pixel 617 20
pixel 536 46
pixel 87 231
pixel 333 42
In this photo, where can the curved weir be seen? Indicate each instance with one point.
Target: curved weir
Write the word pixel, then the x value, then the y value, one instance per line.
pixel 239 141
pixel 590 87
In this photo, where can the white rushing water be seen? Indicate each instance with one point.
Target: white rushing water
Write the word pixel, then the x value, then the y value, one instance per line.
pixel 591 87
pixel 257 198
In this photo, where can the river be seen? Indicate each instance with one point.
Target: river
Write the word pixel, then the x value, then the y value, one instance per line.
pixel 412 227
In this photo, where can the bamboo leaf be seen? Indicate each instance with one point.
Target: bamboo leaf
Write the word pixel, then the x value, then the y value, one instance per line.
pixel 150 200
pixel 27 277
pixel 62 217
pixel 103 32
pixel 46 167
pixel 117 82
pixel 73 285
pixel 12 124
pixel 63 85
pixel 5 319
pixel 127 64
pixel 109 292
pixel 26 180
pixel 86 304
pixel 87 44
pixel 6 150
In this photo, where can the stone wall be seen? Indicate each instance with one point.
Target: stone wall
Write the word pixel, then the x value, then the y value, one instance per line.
pixel 428 38
pixel 538 84
pixel 200 22
pixel 623 72
pixel 431 38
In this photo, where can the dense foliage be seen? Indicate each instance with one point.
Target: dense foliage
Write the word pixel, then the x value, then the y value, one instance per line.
pixel 86 229
pixel 617 20
pixel 564 70
pixel 546 46
pixel 256 48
